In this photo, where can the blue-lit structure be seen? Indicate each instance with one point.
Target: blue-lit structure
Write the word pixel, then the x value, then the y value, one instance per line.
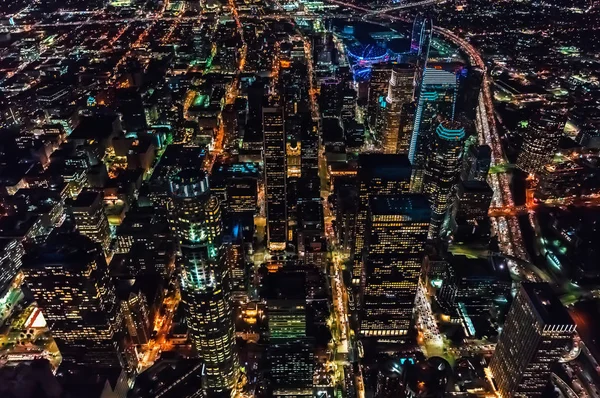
pixel 368 54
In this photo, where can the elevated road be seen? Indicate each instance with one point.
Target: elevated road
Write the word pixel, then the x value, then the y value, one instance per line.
pixel 506 226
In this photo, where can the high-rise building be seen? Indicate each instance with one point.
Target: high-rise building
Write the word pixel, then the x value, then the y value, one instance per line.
pixel 68 277
pixel 476 163
pixel 421 35
pixel 378 88
pixel 136 315
pixel 290 352
pixel 291 364
pixel 329 98
pixel 197 226
pixel 442 172
pixel 541 139
pixel 11 260
pixel 537 333
pixel 420 44
pixel 435 102
pixel 90 218
pixel 407 121
pixel 378 174
pixel 396 233
pixel 348 104
pixel 275 178
pixel 473 199
pixel 309 148
pixel 400 92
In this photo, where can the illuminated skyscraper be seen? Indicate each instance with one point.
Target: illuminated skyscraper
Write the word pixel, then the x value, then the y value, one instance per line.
pixel 378 174
pixel 90 219
pixel 541 139
pixel 435 102
pixel 442 172
pixel 378 88
pixel 400 92
pixel 476 164
pixel 275 177
pixel 396 233
pixel 407 121
pixel 537 333
pixel 68 278
pixel 197 226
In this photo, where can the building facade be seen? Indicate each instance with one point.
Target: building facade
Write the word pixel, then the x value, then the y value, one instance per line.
pixel 537 333
pixel 396 234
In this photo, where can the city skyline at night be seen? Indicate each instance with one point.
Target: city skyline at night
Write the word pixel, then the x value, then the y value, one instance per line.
pixel 308 199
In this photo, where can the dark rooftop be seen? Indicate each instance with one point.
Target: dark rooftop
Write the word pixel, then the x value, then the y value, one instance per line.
pixel 414 205
pixel 547 304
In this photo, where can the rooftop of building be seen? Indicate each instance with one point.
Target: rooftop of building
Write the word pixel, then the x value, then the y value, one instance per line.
pixel 547 304
pixel 169 378
pixel 476 186
pixel 86 198
pixel 69 249
pixel 414 205
pixel 384 166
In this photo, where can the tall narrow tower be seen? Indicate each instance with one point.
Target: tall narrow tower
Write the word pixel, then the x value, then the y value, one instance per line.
pixel 275 177
pixel 400 92
pixel 378 174
pixel 442 172
pixel 436 102
pixel 196 224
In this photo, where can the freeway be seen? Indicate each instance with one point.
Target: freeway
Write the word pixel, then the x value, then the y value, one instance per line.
pixel 506 226
pixel 402 6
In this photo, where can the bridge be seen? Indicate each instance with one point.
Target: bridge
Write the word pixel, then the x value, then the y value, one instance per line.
pixel 509 211
pixel 402 7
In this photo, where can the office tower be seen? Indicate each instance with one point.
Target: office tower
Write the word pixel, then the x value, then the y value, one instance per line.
pixel 378 174
pixel 354 135
pixel 346 206
pixel 309 148
pixel 400 92
pixel 290 351
pixel 473 199
pixel 235 261
pixel 568 177
pixel 348 104
pixel 11 260
pixel 329 98
pixel 136 314
pixel 435 102
pixel 442 172
pixel 396 233
pixel 242 195
pixel 420 44
pixel 196 224
pixel 291 367
pixel 90 219
pixel 537 333
pixel 275 178
pixel 378 88
pixel 476 290
pixel 407 121
pixel 540 140
pixel 476 163
pixel 68 277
